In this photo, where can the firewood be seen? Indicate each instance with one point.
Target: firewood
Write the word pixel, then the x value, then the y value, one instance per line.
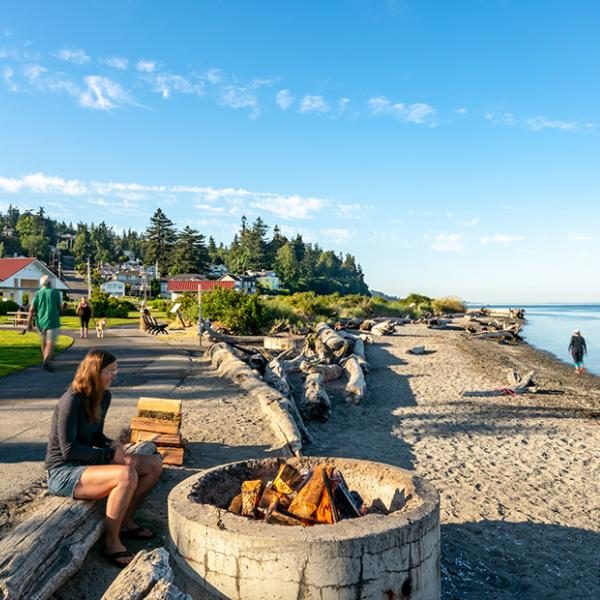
pixel 235 506
pixel 171 456
pixel 154 425
pixel 287 479
pixel 326 511
pixel 280 518
pixel 308 498
pixel 251 491
pixel 160 439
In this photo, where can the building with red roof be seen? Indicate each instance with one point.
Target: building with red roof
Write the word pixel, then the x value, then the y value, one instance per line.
pixel 20 276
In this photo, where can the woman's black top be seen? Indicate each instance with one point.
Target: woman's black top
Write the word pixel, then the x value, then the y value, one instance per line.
pixel 73 438
pixel 84 311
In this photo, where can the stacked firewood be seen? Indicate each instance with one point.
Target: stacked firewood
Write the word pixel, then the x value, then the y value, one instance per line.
pixel 316 496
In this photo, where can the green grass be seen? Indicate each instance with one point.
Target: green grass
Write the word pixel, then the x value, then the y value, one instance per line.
pixel 71 322
pixel 18 351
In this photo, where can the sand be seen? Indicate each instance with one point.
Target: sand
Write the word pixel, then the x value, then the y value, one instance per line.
pixel 519 477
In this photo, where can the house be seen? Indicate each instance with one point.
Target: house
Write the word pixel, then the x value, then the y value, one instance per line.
pixel 267 279
pixel 242 283
pixel 20 276
pixel 113 288
pixel 216 271
pixel 180 284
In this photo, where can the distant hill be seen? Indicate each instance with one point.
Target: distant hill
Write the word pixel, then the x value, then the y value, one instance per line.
pixel 383 295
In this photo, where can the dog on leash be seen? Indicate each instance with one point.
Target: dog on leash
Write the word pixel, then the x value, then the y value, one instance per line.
pixel 100 327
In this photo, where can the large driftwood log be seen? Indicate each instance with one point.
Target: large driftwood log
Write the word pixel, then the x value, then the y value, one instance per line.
pixel 44 551
pixel 315 403
pixel 148 571
pixel 329 372
pixel 384 328
pixel 356 386
pixel 164 590
pixel 334 342
pixel 275 405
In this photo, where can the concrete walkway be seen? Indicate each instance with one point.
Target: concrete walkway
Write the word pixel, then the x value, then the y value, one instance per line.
pixel 147 367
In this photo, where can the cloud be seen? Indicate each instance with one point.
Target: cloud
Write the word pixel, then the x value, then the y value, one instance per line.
pixel 166 84
pixel 116 62
pixel 7 75
pixel 418 113
pixel 313 104
pixel 538 123
pixel 145 66
pixel 580 237
pixel 501 238
pixel 462 110
pixel 448 242
pixel 40 183
pixel 103 94
pixel 284 99
pixel 214 76
pixel 77 57
pixel 238 97
pixel 350 211
pixel 336 234
pixel 291 207
pixel 468 222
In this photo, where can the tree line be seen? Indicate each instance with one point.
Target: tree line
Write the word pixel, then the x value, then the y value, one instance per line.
pixel 301 266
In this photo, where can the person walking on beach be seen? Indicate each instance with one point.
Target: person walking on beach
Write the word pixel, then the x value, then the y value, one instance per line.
pixel 83 463
pixel 84 312
pixel 45 310
pixel 578 349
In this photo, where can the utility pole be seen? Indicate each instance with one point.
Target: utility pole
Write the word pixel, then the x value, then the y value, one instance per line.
pixel 200 315
pixel 89 277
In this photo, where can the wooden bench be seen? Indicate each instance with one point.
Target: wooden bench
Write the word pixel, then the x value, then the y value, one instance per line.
pixel 19 317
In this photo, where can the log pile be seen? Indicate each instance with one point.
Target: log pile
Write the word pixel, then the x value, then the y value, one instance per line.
pixel 159 421
pixel 315 496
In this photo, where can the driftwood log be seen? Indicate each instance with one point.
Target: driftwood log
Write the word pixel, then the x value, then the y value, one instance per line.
pixel 384 328
pixel 280 411
pixel 315 403
pixel 356 386
pixel 140 579
pixel 43 552
pixel 333 341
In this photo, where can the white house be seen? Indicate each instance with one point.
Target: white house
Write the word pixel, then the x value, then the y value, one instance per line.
pixel 267 279
pixel 241 283
pixel 114 288
pixel 19 276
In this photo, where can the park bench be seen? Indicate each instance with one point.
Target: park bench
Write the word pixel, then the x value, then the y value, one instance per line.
pixel 19 317
pixel 153 326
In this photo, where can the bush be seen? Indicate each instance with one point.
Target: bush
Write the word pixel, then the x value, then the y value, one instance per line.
pixel 448 305
pixel 160 304
pixel 104 305
pixel 8 306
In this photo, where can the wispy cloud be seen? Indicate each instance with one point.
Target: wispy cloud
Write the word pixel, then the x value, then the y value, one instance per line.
pixel 116 62
pixel 103 94
pixel 145 66
pixel 76 57
pixel 7 75
pixel 350 211
pixel 501 238
pixel 336 234
pixel 580 237
pixel 166 84
pixel 238 97
pixel 418 113
pixel 452 242
pixel 291 207
pixel 462 110
pixel 538 123
pixel 313 104
pixel 468 222
pixel 284 99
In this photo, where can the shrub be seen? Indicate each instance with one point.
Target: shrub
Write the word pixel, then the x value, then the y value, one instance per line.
pixel 8 306
pixel 104 305
pixel 450 304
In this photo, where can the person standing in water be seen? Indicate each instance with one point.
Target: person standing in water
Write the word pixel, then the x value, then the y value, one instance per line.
pixel 578 350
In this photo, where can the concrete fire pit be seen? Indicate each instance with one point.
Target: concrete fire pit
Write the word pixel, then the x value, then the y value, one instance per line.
pixel 385 557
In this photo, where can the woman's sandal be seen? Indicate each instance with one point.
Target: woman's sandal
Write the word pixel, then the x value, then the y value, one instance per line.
pixel 139 533
pixel 113 557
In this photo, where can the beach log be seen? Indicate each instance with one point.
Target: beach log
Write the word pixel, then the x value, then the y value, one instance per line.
pixel 43 552
pixel 333 341
pixel 329 372
pixel 315 403
pixel 384 328
pixel 285 421
pixel 356 386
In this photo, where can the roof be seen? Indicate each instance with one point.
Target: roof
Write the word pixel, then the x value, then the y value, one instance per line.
pixel 206 285
pixel 10 266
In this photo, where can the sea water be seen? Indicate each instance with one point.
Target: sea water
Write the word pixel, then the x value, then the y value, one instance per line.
pixel 550 327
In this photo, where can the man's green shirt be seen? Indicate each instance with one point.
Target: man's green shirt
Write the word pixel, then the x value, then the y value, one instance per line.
pixel 46 305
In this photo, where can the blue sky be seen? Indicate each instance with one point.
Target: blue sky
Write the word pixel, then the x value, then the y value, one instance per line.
pixel 452 147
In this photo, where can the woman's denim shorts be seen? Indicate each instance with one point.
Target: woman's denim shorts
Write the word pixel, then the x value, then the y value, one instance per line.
pixel 63 480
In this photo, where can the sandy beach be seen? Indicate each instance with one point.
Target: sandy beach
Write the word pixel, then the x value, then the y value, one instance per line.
pixel 518 476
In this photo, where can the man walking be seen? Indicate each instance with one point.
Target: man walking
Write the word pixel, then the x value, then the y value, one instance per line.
pixel 46 311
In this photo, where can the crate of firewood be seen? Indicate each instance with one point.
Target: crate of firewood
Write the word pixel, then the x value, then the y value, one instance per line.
pixel 158 420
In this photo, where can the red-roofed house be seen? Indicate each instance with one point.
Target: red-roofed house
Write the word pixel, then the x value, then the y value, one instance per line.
pixel 20 276
pixel 189 283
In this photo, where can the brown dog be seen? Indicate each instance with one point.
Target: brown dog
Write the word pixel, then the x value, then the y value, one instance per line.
pixel 100 327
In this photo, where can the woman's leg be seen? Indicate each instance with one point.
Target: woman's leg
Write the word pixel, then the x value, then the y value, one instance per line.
pixel 148 469
pixel 119 483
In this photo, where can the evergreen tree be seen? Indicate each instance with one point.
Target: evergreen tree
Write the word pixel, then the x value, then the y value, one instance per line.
pixel 103 243
pixel 190 254
pixel 82 245
pixel 277 241
pixel 287 267
pixel 32 235
pixel 160 239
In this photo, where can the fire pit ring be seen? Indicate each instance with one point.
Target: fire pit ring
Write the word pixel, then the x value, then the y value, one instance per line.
pixel 390 557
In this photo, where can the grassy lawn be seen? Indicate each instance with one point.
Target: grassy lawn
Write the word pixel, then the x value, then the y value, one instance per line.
pixel 69 322
pixel 21 351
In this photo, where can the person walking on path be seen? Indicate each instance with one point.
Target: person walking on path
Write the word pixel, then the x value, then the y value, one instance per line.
pixel 83 463
pixel 84 312
pixel 45 309
pixel 578 350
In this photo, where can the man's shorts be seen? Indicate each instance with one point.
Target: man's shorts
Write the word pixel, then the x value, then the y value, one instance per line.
pixel 49 335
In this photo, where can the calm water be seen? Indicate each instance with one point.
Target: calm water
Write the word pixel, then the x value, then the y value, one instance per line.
pixel 550 326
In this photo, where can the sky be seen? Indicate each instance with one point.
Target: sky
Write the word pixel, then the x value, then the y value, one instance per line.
pixel 452 147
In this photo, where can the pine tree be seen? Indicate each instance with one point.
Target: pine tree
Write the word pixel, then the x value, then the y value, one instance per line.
pixel 190 254
pixel 160 239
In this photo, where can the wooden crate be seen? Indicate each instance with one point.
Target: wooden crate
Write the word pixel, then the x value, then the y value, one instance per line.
pixel 159 421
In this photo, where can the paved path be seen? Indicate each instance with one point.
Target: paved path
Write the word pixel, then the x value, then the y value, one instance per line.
pixel 147 367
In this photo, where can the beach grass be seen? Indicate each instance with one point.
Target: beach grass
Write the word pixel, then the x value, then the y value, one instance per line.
pixel 18 351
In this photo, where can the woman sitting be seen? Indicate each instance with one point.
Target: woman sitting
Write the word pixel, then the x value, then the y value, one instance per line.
pixel 84 464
